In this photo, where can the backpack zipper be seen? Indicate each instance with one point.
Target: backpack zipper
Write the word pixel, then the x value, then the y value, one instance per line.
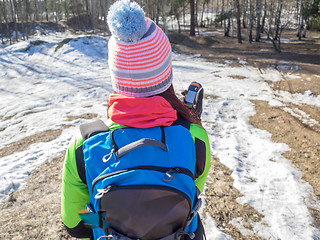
pixel 169 172
pixel 111 188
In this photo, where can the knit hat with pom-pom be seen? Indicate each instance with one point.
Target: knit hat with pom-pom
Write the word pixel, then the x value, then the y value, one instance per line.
pixel 139 52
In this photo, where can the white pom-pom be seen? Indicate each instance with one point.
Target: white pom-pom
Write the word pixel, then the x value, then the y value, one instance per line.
pixel 126 21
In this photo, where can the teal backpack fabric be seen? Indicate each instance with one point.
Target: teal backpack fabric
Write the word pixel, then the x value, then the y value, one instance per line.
pixel 141 182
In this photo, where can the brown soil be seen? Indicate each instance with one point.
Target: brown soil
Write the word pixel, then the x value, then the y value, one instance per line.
pixel 24 143
pixel 221 202
pixel 82 116
pixel 45 136
pixel 34 211
pixel 304 54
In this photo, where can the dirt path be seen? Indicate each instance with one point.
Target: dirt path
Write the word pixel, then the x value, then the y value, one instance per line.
pixel 34 211
pixel 221 203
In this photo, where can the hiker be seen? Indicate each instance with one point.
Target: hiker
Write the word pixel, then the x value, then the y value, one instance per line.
pixel 139 57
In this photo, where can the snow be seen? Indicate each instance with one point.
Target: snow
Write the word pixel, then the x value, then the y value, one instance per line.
pixel 41 85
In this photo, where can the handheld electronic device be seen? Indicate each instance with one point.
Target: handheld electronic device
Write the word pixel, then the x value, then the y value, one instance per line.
pixel 192 93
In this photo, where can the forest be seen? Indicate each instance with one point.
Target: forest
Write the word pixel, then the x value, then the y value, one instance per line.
pixel 20 18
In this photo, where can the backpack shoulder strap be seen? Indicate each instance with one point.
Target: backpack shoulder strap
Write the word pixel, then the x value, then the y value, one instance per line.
pixel 87 130
pixel 199 145
pixel 90 129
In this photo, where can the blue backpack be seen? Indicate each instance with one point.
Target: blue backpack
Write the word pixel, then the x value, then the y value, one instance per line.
pixel 141 183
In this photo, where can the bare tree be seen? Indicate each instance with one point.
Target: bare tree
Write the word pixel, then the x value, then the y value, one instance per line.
pixel 13 13
pixel 300 22
pixel 5 16
pixel 176 7
pixel 244 17
pixel 258 31
pixel 228 16
pixel 270 18
pixel 250 20
pixel 26 18
pixel 46 9
pixel 238 21
pixel 276 39
pixel 103 9
pixel 36 14
pixel 223 14
pixel 1 24
pixel 264 16
pixel 205 2
pixel 192 18
pixel 278 21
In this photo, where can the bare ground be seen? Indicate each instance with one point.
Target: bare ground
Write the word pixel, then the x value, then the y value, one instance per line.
pixel 34 211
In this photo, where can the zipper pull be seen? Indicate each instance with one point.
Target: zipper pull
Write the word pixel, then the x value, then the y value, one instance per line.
pixel 109 155
pixel 170 174
pixel 103 191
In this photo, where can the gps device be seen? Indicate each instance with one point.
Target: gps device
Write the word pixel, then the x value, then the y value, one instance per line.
pixel 191 95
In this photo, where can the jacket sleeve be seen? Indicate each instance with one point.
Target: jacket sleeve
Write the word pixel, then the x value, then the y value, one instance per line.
pixel 74 194
pixel 203 154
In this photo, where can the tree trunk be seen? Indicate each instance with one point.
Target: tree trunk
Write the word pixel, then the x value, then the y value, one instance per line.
pixel 196 15
pixel 158 12
pixel 264 16
pixel 224 19
pixel 36 10
pixel 17 10
pixel 184 15
pixel 164 17
pixel 93 14
pixel 5 16
pixel 300 20
pixel 227 32
pixel 179 25
pixel 104 10
pixel 192 20
pixel 55 11
pixel 27 19
pixel 270 19
pixel 229 15
pixel 2 25
pixel 13 13
pixel 238 21
pixel 21 17
pixel 202 13
pixel 46 10
pixel 87 19
pixel 231 18
pixel 276 37
pixel 250 21
pixel 258 31
pixel 304 34
pixel 244 19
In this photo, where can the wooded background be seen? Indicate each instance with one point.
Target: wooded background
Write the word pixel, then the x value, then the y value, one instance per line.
pixel 19 18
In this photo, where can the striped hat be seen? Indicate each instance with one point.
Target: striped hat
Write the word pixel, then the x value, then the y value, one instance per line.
pixel 139 52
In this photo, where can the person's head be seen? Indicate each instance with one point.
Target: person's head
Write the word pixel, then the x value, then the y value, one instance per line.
pixel 139 56
pixel 139 52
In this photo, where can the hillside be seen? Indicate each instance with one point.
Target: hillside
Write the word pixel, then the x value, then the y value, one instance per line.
pixel 261 111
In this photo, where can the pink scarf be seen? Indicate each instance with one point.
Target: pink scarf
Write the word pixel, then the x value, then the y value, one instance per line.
pixel 141 112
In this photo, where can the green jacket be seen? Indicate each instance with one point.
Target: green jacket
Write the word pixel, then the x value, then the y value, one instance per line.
pixel 75 193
